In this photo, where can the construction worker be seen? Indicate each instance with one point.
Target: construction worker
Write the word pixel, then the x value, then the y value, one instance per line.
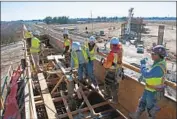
pixel 28 36
pixel 114 71
pixel 91 57
pixel 154 83
pixel 67 44
pixel 34 50
pixel 79 59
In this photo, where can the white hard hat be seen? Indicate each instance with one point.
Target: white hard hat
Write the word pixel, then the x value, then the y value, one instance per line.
pixel 92 39
pixel 76 46
pixel 65 32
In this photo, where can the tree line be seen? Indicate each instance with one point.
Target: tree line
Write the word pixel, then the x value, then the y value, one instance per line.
pixel 60 20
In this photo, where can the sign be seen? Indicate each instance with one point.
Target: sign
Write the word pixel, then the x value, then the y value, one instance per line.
pixel 160 34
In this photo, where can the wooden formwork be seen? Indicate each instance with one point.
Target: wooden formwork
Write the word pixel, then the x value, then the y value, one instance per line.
pixel 61 96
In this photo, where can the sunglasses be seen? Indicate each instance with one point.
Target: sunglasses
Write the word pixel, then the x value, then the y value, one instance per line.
pixel 153 53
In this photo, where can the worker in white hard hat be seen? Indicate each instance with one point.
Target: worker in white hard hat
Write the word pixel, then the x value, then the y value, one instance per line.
pixel 114 71
pixel 34 50
pixel 91 45
pixel 67 46
pixel 79 59
pixel 154 83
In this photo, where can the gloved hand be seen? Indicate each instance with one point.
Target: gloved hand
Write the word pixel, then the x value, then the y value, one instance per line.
pixel 113 63
pixel 143 61
pixel 101 61
pixel 71 71
pixel 89 59
pixel 97 49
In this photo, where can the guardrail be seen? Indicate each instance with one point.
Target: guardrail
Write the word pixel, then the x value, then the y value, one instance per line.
pixel 5 86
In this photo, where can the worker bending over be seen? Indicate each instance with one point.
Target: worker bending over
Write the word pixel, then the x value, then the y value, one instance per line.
pixel 154 80
pixel 79 59
pixel 34 50
pixel 28 36
pixel 67 45
pixel 114 71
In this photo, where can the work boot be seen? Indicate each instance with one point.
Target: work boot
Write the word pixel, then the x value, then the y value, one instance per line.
pixel 114 101
pixel 135 115
pixel 107 97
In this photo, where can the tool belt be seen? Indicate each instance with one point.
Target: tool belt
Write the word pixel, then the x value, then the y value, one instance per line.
pixel 110 77
pixel 159 91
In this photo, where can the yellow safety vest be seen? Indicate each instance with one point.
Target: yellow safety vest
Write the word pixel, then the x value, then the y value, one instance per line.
pixel 75 58
pixel 28 34
pixel 156 80
pixel 67 42
pixel 35 45
pixel 92 54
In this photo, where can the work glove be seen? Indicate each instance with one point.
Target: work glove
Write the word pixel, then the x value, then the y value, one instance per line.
pixel 97 49
pixel 71 71
pixel 89 59
pixel 101 61
pixel 113 63
pixel 143 61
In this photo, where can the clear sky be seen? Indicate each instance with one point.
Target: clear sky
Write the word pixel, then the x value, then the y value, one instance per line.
pixel 39 10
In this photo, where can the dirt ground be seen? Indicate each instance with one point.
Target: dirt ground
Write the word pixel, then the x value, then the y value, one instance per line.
pixel 169 33
pixel 11 55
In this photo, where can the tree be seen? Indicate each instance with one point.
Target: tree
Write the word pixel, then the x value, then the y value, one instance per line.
pixel 48 20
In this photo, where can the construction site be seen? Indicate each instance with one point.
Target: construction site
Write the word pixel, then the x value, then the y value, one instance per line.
pixel 56 93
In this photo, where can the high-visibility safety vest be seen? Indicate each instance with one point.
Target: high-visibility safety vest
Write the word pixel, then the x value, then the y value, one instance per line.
pixel 28 34
pixel 35 45
pixel 75 57
pixel 113 58
pixel 156 80
pixel 67 42
pixel 92 54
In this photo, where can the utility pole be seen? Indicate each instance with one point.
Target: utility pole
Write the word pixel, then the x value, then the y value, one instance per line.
pixel 92 22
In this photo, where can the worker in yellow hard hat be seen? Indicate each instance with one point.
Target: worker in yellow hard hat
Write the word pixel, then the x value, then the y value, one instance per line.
pixel 67 47
pixel 34 50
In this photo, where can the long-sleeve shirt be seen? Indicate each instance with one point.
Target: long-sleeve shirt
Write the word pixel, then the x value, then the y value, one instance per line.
pixel 154 72
pixel 80 57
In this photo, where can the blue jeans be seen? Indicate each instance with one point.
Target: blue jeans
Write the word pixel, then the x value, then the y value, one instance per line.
pixel 90 71
pixel 148 100
pixel 81 70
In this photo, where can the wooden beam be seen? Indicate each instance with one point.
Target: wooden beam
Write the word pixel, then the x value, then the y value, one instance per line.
pixel 66 105
pixel 87 102
pixel 169 83
pixel 84 109
pixel 77 91
pixel 60 80
pixel 30 108
pixel 49 105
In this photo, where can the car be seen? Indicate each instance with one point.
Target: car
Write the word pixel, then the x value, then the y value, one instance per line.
pixel 140 49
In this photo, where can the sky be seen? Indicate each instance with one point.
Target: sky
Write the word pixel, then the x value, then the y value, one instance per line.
pixel 39 10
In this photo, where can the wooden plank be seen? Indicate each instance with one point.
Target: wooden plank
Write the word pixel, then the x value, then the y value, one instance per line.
pixel 78 92
pixel 66 106
pixel 49 105
pixel 87 102
pixel 52 57
pixel 58 83
pixel 84 109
